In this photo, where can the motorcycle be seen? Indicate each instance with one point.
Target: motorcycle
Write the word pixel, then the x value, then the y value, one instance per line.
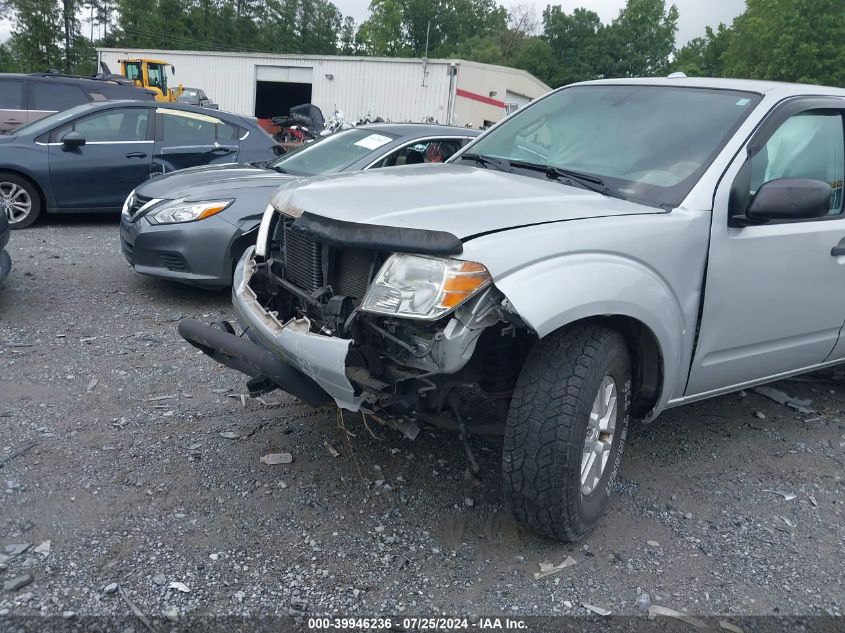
pixel 304 123
pixel 336 123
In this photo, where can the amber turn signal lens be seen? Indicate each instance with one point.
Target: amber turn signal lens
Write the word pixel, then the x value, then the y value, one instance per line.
pixel 209 211
pixel 463 283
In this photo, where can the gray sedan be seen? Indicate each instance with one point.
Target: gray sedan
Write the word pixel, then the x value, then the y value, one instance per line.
pixel 193 225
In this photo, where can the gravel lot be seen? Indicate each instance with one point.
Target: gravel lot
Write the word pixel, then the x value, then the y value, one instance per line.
pixel 130 481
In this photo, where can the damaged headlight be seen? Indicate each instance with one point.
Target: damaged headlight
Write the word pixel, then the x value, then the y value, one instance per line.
pixel 183 211
pixel 419 287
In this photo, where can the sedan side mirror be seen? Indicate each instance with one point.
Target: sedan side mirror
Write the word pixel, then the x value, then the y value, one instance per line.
pixel 790 199
pixel 72 140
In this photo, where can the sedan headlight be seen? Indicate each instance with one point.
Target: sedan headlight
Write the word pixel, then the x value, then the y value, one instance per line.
pixel 183 211
pixel 417 287
pixel 130 200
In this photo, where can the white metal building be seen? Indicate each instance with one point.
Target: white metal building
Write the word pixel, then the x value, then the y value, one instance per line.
pixel 396 89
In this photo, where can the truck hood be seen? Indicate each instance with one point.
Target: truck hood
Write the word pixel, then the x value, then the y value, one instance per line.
pixel 211 181
pixel 461 200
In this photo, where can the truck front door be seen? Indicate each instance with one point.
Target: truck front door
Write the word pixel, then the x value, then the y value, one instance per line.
pixel 774 298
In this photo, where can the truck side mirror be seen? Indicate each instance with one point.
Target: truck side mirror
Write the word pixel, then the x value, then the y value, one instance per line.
pixel 173 70
pixel 790 199
pixel 73 139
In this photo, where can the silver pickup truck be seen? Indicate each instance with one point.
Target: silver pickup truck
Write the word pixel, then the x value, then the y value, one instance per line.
pixel 609 251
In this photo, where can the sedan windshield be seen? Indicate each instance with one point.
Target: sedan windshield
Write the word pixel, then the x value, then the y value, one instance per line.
pixel 644 143
pixel 332 154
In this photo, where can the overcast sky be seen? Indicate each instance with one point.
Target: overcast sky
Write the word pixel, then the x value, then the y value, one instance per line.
pixel 694 14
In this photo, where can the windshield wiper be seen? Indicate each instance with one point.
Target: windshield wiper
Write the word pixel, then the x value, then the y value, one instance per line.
pixel 487 161
pixel 568 176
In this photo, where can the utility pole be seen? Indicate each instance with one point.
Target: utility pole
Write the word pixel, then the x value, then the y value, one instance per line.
pixel 425 56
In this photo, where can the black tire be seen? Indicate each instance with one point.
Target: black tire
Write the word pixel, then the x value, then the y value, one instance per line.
pixel 547 425
pixel 7 179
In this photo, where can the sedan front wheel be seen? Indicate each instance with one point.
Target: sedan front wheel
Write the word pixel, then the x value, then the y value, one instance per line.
pixel 19 200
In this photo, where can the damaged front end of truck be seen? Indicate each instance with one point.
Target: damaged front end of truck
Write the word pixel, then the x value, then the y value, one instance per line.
pixel 383 320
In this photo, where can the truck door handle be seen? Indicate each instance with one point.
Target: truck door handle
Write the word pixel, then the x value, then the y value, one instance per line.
pixel 12 121
pixel 839 249
pixel 221 150
pixel 136 155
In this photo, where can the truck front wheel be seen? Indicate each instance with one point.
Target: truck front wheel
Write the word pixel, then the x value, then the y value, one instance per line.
pixel 566 430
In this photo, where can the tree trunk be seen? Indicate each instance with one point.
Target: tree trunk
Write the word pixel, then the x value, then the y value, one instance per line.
pixel 68 16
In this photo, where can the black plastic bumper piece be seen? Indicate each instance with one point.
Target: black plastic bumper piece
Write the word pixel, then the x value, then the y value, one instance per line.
pixel 5 264
pixel 376 237
pixel 241 354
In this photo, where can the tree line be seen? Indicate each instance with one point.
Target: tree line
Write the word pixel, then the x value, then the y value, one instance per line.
pixel 786 40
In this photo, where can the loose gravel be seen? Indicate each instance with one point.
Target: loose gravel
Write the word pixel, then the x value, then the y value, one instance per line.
pixel 139 461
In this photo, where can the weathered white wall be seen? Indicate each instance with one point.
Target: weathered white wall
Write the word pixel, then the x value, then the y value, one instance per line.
pixel 482 79
pixel 394 89
pixel 391 89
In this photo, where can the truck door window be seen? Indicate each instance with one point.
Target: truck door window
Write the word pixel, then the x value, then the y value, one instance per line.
pixel 807 145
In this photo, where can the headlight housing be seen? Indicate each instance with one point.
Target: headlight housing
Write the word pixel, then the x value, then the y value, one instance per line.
pixel 417 287
pixel 177 211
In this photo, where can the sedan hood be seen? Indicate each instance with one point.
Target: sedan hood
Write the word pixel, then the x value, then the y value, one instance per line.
pixel 457 199
pixel 211 181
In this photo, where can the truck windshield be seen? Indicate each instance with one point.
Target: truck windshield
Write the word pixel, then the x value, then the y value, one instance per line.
pixel 331 154
pixel 648 144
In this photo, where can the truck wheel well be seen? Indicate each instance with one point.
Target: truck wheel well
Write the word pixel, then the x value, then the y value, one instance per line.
pixel 646 359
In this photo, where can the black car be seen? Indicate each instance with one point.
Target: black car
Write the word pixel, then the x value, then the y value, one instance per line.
pixel 5 260
pixel 197 97
pixel 193 225
pixel 26 98
pixel 90 157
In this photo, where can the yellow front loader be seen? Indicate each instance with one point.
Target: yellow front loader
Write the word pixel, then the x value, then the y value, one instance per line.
pixel 151 74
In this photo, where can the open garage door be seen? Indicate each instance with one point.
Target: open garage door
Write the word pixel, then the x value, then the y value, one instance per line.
pixel 279 88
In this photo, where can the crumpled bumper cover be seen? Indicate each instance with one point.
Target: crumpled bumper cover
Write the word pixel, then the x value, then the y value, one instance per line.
pixel 321 358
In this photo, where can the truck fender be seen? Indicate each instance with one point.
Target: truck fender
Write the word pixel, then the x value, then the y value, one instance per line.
pixel 555 292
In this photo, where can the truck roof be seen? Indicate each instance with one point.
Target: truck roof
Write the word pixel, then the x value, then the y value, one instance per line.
pixel 769 88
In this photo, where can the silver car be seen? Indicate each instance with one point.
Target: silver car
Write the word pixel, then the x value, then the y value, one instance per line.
pixel 609 251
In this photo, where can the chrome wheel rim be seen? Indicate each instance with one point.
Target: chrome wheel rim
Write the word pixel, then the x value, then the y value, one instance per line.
pixel 15 201
pixel 599 438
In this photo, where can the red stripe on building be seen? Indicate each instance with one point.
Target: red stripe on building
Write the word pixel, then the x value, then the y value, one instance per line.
pixel 466 94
